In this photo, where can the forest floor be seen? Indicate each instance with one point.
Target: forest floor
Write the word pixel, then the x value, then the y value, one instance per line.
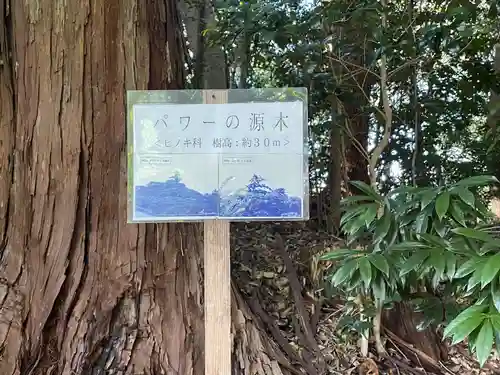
pixel 276 267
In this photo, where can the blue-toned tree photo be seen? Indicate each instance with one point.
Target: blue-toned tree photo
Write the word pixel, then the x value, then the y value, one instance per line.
pixel 173 198
pixel 258 200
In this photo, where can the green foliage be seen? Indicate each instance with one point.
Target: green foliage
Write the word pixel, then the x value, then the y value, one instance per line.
pixel 429 242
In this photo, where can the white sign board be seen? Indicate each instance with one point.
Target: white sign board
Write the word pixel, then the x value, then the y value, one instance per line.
pixel 235 161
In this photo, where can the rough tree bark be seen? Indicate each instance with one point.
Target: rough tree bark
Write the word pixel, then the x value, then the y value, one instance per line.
pixel 81 291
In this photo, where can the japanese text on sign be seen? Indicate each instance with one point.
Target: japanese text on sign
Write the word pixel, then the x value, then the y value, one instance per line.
pixel 236 127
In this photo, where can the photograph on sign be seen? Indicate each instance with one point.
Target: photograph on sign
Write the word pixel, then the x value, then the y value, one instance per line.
pixel 233 161
pixel 261 186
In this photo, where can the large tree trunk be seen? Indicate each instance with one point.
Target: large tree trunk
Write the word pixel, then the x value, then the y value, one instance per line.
pixel 81 291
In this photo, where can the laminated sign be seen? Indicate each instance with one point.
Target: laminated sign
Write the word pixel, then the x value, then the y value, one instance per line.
pixel 241 160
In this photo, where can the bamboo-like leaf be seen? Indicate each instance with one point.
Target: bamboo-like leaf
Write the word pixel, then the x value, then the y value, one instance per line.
pixel 474 234
pixel 428 197
pixel 367 189
pixel 344 272
pixel 467 196
pixel 365 268
pixel 382 228
pixel 413 262
pixel 442 204
pixel 466 268
pixel 380 263
pixel 467 314
pixel 356 199
pixel 484 342
pixel 477 181
pixel 490 269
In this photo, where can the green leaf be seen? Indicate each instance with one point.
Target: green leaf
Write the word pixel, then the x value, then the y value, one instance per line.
pixel 462 317
pixel 451 265
pixel 477 181
pixel 351 213
pixel 367 189
pixel 354 226
pixel 428 197
pixel 440 228
pixel 465 328
pixel 344 272
pixel 408 245
pixel 413 262
pixel 442 204
pixel 382 228
pixel 370 214
pixel 473 233
pixel 438 262
pixel 422 222
pixel 466 268
pixel 490 269
pixel 484 342
pixel 340 254
pixel 355 199
pixel 474 280
pixel 380 263
pixel 457 213
pixel 467 196
pixel 365 269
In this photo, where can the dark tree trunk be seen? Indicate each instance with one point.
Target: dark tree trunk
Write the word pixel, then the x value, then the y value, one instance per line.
pixel 81 291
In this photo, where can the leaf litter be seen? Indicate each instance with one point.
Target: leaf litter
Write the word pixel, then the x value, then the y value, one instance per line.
pixel 276 266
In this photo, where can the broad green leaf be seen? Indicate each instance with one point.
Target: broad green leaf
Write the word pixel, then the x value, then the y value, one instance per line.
pixel 340 254
pixel 468 313
pixel 414 261
pixel 457 213
pixel 421 222
pixel 353 281
pixel 490 269
pixel 451 264
pixel 440 228
pixel 475 279
pixel 495 321
pixel 442 204
pixel 408 245
pixel 355 225
pixel 355 199
pixel 477 181
pixel 428 197
pixel 467 196
pixel 367 189
pixel 467 268
pixel 473 233
pixel 370 214
pixel 484 342
pixel 465 328
pixel 351 213
pixel 471 340
pixel 382 228
pixel 380 263
pixel 438 262
pixel 466 322
pixel 344 272
pixel 489 246
pixel 365 269
pixel 435 241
